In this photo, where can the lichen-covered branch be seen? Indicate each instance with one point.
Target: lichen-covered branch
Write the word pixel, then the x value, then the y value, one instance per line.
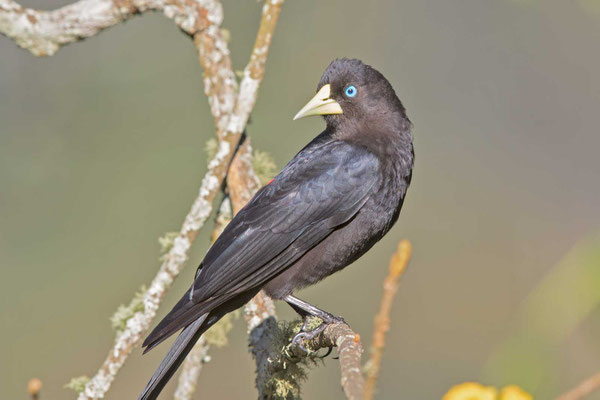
pixel 277 362
pixel 220 88
pixel 398 264
pixel 44 32
pixel 171 266
pixel 254 71
pixel 242 184
pixel 192 365
pixel 242 181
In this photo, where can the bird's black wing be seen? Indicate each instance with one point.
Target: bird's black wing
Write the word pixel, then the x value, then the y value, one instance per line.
pixel 321 188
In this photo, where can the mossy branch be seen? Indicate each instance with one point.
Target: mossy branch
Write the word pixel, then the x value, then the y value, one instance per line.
pixel 281 368
pixel 77 384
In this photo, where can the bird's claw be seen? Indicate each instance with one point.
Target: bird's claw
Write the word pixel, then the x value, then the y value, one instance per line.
pixel 298 341
pixel 329 350
pixel 304 336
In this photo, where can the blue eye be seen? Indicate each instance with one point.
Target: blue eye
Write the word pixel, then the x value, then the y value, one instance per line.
pixel 350 91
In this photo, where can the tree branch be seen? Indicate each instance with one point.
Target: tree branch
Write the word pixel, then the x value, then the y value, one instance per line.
pixel 276 360
pixel 171 267
pixel 192 365
pixel 583 389
pixel 278 373
pixel 43 33
pixel 203 19
pixel 242 182
pixel 382 319
pixel 350 351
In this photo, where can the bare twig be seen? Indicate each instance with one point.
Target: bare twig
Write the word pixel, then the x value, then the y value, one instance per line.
pixel 398 263
pixel 583 389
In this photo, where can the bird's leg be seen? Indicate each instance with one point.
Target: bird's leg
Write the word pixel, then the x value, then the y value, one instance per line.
pixel 302 314
pixel 305 310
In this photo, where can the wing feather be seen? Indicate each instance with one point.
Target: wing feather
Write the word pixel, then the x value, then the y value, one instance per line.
pixel 321 188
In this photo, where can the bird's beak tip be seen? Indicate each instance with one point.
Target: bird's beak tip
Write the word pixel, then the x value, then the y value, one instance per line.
pixel 320 104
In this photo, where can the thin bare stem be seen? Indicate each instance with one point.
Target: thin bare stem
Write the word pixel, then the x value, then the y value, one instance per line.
pixel 398 264
pixel 583 389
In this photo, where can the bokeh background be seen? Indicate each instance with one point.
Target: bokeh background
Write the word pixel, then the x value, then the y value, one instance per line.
pixel 101 152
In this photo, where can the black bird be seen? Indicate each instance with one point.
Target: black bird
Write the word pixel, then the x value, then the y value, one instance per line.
pixel 330 204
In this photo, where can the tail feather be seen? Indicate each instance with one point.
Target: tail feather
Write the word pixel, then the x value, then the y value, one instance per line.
pixel 196 319
pixel 182 346
pixel 183 314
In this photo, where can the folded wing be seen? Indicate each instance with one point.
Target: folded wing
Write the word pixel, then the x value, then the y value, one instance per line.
pixel 324 186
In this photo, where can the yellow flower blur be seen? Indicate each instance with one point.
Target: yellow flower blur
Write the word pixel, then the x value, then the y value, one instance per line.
pixel 471 391
pixel 476 391
pixel 513 392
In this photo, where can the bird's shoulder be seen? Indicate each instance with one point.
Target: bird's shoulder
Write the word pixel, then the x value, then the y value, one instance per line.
pixel 325 182
pixel 324 160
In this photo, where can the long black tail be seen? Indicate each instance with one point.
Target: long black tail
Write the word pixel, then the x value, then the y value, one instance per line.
pixel 180 349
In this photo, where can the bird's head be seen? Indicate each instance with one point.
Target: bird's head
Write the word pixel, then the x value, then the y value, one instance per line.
pixel 351 93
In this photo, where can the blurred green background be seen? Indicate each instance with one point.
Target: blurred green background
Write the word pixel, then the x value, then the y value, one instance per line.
pixel 101 152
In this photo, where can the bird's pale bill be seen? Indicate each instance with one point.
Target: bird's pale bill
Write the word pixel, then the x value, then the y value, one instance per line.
pixel 321 104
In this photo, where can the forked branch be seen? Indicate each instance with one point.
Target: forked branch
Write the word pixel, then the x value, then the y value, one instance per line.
pixel 44 32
